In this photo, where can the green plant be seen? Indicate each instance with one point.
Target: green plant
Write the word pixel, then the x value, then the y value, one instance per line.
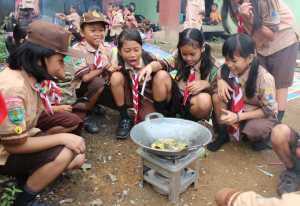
pixel 3 51
pixel 9 194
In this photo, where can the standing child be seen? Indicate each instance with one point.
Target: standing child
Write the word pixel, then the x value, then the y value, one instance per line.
pixel 250 107
pixel 215 17
pixel 127 84
pixel 272 26
pixel 187 90
pixel 36 160
pixel 89 78
pixel 117 22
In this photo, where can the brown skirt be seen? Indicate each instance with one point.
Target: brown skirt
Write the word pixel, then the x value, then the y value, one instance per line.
pixel 26 164
pixel 281 65
pixel 258 129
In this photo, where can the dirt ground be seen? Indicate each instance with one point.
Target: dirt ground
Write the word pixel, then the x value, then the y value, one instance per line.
pixel 114 175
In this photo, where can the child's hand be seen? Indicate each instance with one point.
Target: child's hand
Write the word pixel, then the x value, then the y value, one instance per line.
pixel 228 117
pixel 245 9
pixel 62 108
pixel 112 68
pixel 74 143
pixel 224 90
pixel 196 87
pixel 145 73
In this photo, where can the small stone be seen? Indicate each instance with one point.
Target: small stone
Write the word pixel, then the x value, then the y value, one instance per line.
pixel 109 158
pixel 66 201
pixel 132 202
pixel 97 202
pixel 112 177
pixel 186 205
pixel 86 166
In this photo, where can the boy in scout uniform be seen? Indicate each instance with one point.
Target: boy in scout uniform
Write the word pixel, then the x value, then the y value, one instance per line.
pixel 89 78
pixel 24 152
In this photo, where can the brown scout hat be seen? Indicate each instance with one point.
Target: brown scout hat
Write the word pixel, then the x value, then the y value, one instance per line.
pixel 93 16
pixel 51 36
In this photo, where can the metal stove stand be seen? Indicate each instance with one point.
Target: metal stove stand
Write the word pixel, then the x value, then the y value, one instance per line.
pixel 170 177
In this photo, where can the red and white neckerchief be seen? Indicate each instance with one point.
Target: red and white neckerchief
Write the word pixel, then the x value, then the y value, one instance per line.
pixel 237 105
pixel 135 95
pixel 3 108
pixel 49 93
pixel 191 78
pixel 240 24
pixel 98 63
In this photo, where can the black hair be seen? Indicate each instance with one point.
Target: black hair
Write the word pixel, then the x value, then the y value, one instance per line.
pixel 31 58
pixel 132 6
pixel 193 37
pixel 131 35
pixel 228 8
pixel 215 4
pixel 244 46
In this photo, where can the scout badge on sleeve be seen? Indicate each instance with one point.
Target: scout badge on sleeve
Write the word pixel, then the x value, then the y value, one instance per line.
pixel 16 113
pixel 3 108
pixel 186 94
pixel 237 105
pixel 49 93
pixel 135 95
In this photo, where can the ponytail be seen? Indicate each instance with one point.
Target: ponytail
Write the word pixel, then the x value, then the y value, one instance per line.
pixel 251 81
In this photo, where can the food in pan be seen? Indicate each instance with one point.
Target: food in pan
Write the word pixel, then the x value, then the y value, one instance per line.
pixel 169 144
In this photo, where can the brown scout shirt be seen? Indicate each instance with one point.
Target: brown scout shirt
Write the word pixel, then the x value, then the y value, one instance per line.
pixel 170 63
pixel 264 97
pixel 276 15
pixel 82 65
pixel 24 107
pixel 253 199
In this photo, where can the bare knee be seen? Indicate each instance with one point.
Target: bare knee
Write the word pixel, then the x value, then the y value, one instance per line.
pixel 223 196
pixel 280 135
pixel 204 102
pixel 117 78
pixel 201 104
pixel 64 158
pixel 161 77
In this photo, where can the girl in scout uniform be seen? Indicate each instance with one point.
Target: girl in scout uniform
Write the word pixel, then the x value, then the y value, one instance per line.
pixel 89 78
pixel 24 153
pixel 127 85
pixel 272 26
pixel 186 92
pixel 250 108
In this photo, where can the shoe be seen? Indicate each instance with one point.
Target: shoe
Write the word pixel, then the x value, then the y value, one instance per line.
pixel 91 125
pixel 124 128
pixel 218 143
pixel 289 181
pixel 99 110
pixel 261 145
pixel 36 203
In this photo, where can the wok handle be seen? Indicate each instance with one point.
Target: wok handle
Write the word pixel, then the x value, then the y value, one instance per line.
pixel 153 115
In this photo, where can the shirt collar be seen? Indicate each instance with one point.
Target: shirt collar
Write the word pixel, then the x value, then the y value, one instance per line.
pixel 88 47
pixel 130 68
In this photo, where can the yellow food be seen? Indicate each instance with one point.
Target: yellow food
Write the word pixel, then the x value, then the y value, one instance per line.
pixel 169 144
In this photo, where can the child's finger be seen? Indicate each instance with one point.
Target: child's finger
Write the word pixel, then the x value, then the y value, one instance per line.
pixel 227 94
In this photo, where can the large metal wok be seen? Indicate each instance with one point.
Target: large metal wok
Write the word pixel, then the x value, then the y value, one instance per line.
pixel 156 126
